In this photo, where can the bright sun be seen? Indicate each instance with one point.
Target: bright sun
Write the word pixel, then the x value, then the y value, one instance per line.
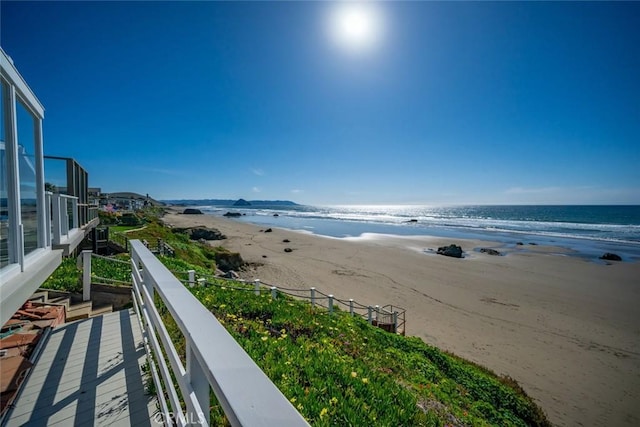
pixel 355 26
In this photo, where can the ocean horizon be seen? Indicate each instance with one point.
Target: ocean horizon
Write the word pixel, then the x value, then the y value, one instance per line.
pixel 588 230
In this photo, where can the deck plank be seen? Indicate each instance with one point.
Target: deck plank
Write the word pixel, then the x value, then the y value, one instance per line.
pixel 89 373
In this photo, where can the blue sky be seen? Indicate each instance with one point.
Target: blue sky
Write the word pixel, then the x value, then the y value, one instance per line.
pixel 452 103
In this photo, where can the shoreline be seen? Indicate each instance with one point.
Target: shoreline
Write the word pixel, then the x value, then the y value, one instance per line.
pixel 563 327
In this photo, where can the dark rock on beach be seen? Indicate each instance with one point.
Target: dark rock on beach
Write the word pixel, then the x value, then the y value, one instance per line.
pixel 232 214
pixel 288 250
pixel 451 250
pixel 229 261
pixel 268 230
pixel 286 241
pixel 206 234
pixel 192 211
pixel 611 257
pixel 490 251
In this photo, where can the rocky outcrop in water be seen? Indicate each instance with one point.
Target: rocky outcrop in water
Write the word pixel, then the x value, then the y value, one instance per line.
pixel 611 257
pixel 233 214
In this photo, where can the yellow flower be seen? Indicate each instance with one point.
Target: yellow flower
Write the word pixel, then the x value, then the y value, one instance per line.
pixel 324 412
pixel 333 400
pixel 354 374
pixel 265 338
pixel 293 400
pixel 300 407
pixel 365 380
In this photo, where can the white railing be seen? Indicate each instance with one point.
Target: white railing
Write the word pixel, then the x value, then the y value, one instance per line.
pixel 214 360
pixel 60 218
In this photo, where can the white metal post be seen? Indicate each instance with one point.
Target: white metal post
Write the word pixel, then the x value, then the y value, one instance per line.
pixel 192 278
pixel 74 212
pixel 313 297
pixel 13 173
pixel 370 316
pixel 351 306
pixel 47 223
pixel 274 292
pixel 57 220
pixel 330 304
pixel 40 196
pixel 20 243
pixel 256 284
pixel 377 313
pixel 86 275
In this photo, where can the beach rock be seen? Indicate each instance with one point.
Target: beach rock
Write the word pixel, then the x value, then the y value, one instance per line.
pixel 241 202
pixel 490 251
pixel 275 214
pixel 231 275
pixel 192 211
pixel 451 250
pixel 206 234
pixel 519 243
pixel 611 257
pixel 268 230
pixel 232 214
pixel 286 241
pixel 228 261
pixel 288 250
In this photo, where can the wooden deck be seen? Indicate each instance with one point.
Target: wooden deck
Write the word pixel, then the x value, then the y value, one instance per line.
pixel 88 373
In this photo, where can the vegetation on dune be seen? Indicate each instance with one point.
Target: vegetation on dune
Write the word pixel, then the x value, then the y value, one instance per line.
pixel 339 370
pixel 335 369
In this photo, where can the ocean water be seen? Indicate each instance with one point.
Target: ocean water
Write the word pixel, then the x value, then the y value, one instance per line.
pixel 588 230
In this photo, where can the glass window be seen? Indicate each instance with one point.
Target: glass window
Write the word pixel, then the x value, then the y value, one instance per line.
pixel 27 168
pixel 4 205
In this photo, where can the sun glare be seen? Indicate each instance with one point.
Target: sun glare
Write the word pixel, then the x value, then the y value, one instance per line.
pixel 355 26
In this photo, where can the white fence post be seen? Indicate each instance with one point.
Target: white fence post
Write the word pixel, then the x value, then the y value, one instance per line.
pixel 201 282
pixel 192 278
pixel 274 292
pixel 256 284
pixel 370 316
pixel 86 275
pixel 351 306
pixel 377 313
pixel 330 304
pixel 313 297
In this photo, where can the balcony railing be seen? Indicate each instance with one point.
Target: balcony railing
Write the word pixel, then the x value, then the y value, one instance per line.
pixel 69 220
pixel 214 360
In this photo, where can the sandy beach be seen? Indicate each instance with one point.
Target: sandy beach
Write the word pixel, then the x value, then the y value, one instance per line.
pixel 568 330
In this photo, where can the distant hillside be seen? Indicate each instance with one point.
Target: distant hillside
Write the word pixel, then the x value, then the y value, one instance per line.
pixel 229 202
pixel 134 196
